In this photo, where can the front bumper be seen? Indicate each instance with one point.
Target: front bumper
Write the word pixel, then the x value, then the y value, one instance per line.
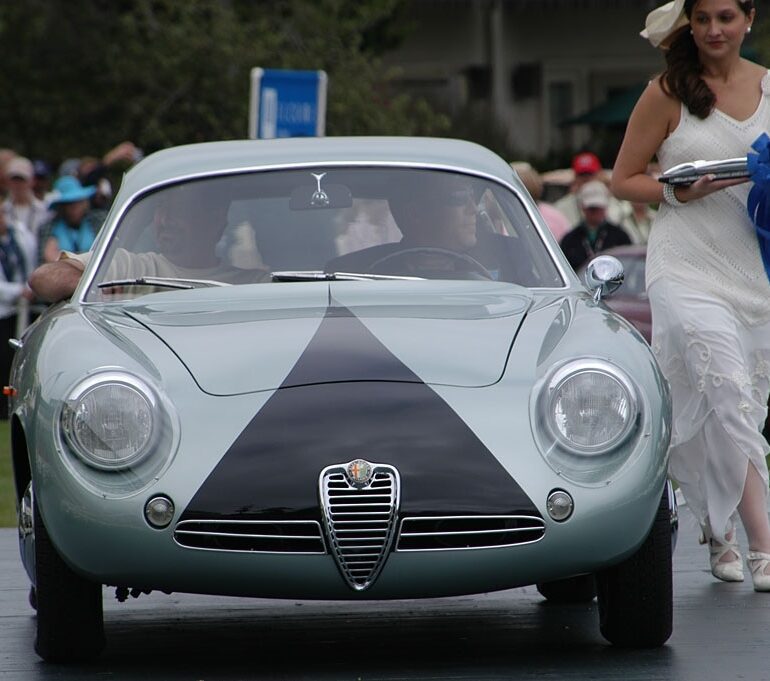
pixel 108 541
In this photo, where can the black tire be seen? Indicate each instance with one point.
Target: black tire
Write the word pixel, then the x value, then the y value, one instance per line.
pixel 636 596
pixel 580 589
pixel 70 625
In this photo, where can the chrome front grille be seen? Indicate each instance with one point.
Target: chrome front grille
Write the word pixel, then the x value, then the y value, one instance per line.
pixel 360 520
pixel 444 533
pixel 257 536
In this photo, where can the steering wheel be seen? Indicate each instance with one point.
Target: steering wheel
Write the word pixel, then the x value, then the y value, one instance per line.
pixel 472 265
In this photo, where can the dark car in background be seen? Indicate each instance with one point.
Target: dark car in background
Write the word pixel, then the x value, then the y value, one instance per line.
pixel 630 300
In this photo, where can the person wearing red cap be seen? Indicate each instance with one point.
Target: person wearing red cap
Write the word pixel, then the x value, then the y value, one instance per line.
pixel 587 167
pixel 586 163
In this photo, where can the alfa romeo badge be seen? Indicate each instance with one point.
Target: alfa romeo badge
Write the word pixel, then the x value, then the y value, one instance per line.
pixel 359 473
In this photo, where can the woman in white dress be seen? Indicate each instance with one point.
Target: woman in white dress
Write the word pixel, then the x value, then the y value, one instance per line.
pixel 707 285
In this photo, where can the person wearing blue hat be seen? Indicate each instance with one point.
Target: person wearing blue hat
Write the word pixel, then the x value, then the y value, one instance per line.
pixel 74 225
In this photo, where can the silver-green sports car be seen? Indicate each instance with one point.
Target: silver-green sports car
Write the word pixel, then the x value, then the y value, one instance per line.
pixel 337 368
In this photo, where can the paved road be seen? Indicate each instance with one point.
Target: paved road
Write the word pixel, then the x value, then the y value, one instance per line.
pixel 721 632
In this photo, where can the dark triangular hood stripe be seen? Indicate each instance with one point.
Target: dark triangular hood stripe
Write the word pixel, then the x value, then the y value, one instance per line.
pixel 343 349
pixel 272 468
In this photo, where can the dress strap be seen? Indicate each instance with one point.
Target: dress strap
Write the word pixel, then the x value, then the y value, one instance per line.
pixel 765 83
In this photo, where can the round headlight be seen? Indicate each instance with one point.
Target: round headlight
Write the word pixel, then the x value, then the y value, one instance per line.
pixel 108 422
pixel 591 407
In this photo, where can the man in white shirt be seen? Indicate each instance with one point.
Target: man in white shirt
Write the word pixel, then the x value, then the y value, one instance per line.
pixel 22 208
pixel 587 168
pixel 187 227
pixel 14 267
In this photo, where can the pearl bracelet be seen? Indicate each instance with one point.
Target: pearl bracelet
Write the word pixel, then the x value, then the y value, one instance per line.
pixel 670 197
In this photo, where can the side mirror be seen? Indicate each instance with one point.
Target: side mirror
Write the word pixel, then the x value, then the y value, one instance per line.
pixel 604 275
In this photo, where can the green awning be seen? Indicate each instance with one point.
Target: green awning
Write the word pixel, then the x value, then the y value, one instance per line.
pixel 613 112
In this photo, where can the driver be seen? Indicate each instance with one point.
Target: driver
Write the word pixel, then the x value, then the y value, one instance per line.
pixel 437 215
pixel 188 223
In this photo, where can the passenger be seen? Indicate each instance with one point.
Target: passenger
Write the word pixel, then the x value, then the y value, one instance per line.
pixel 187 226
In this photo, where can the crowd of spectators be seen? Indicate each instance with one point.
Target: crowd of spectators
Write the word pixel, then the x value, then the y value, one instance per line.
pixel 62 208
pixel 588 219
pixel 42 212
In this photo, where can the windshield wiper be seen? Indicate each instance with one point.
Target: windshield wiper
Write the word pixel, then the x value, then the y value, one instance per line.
pixel 319 275
pixel 162 282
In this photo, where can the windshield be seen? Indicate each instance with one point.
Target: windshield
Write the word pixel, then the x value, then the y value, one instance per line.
pixel 305 225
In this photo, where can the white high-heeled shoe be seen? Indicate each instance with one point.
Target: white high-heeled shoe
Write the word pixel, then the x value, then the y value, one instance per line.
pixel 757 562
pixel 726 570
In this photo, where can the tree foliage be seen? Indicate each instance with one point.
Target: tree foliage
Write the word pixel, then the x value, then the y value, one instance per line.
pixel 81 76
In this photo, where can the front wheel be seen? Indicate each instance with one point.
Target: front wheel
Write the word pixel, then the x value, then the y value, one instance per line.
pixel 70 625
pixel 636 596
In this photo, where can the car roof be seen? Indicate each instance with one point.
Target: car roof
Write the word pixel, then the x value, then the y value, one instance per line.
pixel 206 158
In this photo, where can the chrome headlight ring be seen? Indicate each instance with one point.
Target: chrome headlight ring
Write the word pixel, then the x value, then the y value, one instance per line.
pixel 109 420
pixel 590 407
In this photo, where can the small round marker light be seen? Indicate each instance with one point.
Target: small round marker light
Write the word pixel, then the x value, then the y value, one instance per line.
pixel 560 505
pixel 159 511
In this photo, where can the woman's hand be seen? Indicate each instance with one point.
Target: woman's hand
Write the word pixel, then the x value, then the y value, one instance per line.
pixel 704 186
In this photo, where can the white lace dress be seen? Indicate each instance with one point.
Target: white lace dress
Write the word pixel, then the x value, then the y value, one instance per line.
pixel 710 300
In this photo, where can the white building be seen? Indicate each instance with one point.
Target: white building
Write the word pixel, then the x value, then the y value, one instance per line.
pixel 529 64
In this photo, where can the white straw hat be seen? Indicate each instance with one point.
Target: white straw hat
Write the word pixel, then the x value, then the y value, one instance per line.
pixel 663 23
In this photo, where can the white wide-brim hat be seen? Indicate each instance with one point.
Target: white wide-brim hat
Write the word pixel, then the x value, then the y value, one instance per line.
pixel 664 22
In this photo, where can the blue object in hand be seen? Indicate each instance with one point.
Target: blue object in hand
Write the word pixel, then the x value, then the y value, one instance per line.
pixel 759 197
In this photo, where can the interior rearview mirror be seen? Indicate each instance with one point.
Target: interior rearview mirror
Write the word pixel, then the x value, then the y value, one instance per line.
pixel 320 197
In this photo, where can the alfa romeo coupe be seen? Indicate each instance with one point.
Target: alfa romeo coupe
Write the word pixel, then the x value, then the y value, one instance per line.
pixel 340 368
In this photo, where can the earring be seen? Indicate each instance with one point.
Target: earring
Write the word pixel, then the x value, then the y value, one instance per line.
pixel 748 30
pixel 691 33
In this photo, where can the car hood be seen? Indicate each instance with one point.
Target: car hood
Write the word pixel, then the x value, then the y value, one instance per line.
pixel 236 340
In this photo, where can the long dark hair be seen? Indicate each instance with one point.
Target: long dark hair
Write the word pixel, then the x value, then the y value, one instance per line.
pixel 682 77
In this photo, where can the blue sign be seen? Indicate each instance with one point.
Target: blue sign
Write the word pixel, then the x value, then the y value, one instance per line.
pixel 287 103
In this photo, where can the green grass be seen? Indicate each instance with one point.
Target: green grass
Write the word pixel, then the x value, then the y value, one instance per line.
pixel 7 496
